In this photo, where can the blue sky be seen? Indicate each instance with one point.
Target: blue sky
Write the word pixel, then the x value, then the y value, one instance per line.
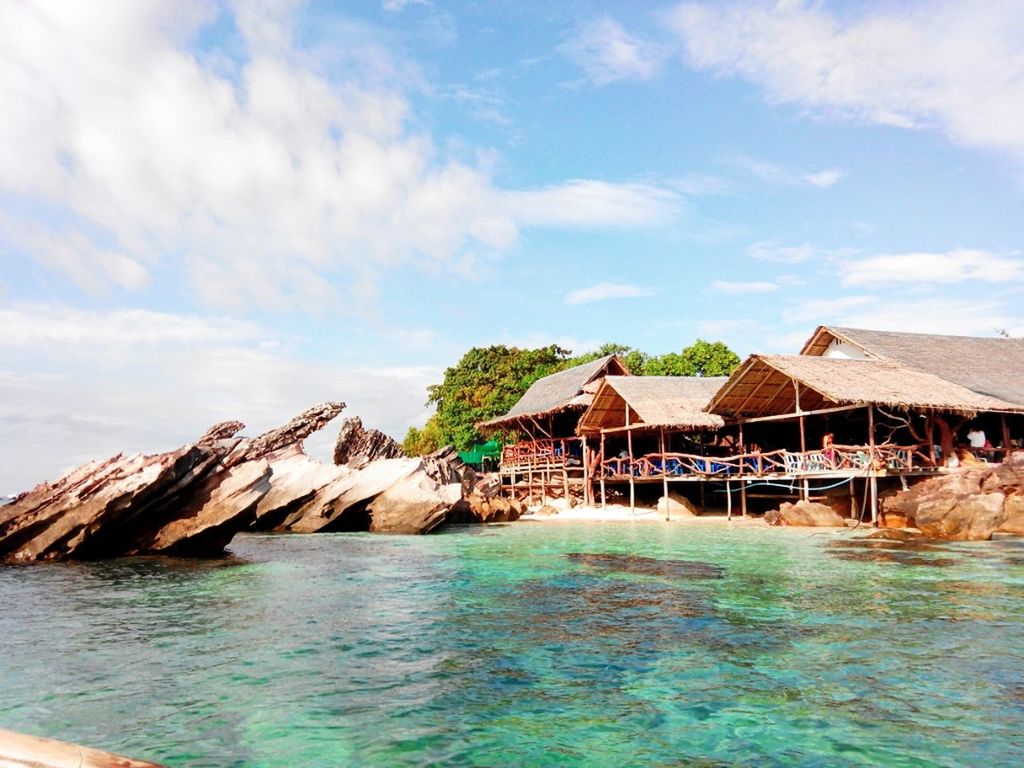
pixel 237 210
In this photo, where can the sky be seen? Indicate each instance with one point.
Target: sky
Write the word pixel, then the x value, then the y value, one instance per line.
pixel 236 210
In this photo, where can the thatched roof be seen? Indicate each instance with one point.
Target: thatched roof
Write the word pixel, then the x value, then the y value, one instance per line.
pixel 570 389
pixel 990 366
pixel 763 386
pixel 673 402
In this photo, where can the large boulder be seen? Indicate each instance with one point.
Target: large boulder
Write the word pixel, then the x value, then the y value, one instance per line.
pixel 968 504
pixel 804 513
pixel 677 506
pixel 356 446
pixel 415 504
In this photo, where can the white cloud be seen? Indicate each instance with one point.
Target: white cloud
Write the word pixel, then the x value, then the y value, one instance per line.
pixel 954 266
pixel 771 250
pixel 953 65
pixel 260 180
pixel 825 179
pixel 607 53
pixel 938 315
pixel 603 291
pixel 739 288
pixel 78 331
pixel 784 175
pixel 588 203
pixel 399 5
pixel 826 309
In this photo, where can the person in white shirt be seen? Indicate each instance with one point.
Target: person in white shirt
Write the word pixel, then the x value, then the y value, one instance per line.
pixel 976 437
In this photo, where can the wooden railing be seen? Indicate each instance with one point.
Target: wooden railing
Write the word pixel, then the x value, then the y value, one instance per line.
pixel 837 458
pixel 543 454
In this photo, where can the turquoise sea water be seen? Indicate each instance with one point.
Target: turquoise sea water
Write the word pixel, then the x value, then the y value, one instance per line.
pixel 528 644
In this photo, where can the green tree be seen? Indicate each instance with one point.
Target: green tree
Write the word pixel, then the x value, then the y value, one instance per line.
pixel 702 358
pixel 485 383
pixel 634 359
pixel 420 442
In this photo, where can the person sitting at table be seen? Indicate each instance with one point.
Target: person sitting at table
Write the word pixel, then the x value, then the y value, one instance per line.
pixel 828 450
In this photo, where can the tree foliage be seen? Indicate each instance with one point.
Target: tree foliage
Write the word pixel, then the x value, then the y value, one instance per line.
pixel 485 383
pixel 488 381
pixel 702 358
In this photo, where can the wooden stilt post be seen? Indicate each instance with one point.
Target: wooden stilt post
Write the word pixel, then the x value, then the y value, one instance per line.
pixel 600 465
pixel 1006 436
pixel 853 500
pixel 565 471
pixel 743 497
pixel 703 507
pixel 805 486
pixel 629 449
pixel 587 490
pixel 871 465
pixel 728 500
pixel 664 473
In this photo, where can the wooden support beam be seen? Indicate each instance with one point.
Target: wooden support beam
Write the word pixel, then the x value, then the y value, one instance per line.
pixel 664 473
pixel 871 466
pixel 805 487
pixel 793 415
pixel 632 485
pixel 728 500
pixel 764 379
pixel 601 466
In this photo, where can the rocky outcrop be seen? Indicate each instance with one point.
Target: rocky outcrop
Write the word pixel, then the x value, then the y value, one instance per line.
pixel 188 502
pixel 969 504
pixel 191 502
pixel 356 447
pixel 805 513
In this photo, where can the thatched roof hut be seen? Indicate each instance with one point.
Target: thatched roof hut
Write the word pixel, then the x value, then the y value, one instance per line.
pixel 569 390
pixel 990 366
pixel 669 402
pixel 764 386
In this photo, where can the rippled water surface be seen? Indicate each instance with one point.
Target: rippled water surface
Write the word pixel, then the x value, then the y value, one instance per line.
pixel 553 644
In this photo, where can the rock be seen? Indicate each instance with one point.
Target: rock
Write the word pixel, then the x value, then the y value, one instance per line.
pixel 892 534
pixel 445 466
pixel 227 496
pixel 341 505
pixel 416 504
pixel 187 502
pixel 295 481
pixel 356 447
pixel 804 513
pixel 478 508
pixel 968 504
pixel 296 430
pixel 675 505
pixel 545 511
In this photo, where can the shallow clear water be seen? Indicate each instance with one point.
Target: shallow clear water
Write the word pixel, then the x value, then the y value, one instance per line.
pixel 528 644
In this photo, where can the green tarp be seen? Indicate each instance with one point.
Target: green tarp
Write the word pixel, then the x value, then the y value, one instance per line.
pixel 489 450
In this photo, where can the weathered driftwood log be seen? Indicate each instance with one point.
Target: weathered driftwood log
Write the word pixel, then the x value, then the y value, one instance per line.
pixel 804 513
pixel 356 447
pixel 18 750
pixel 969 504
